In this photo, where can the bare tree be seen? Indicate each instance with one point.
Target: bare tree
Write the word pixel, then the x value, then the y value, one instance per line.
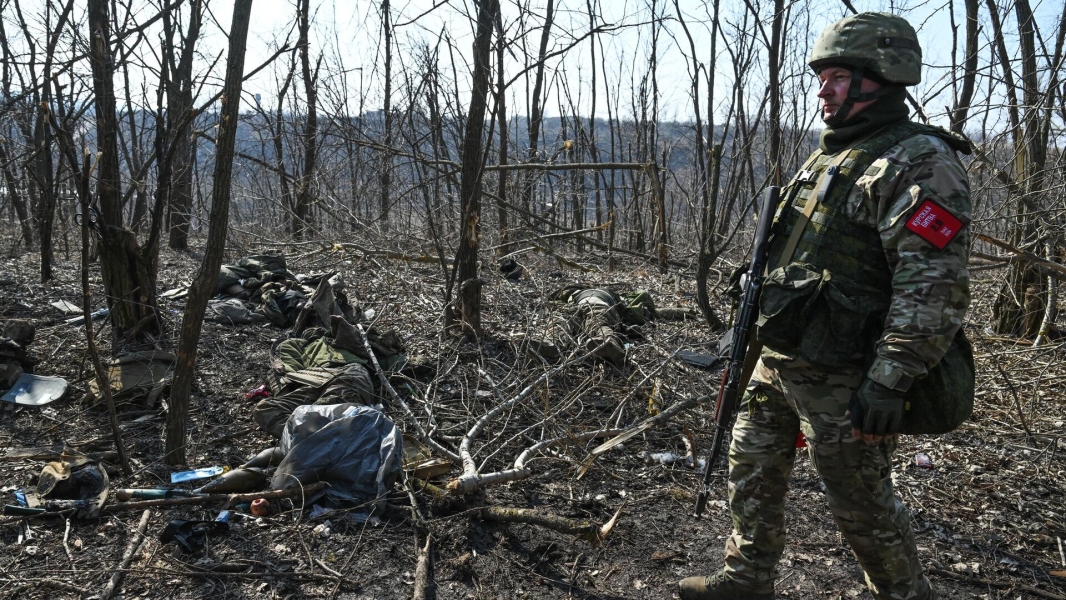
pixel 180 102
pixel 204 285
pixel 127 269
pixel 305 185
pixel 1021 303
pixel 467 311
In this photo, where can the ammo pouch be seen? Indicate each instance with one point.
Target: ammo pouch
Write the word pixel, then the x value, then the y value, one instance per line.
pixel 943 399
pixel 803 312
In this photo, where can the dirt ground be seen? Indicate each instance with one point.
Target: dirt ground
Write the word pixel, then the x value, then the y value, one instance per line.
pixel 989 513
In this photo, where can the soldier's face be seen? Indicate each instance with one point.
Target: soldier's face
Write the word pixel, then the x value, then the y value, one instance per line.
pixel 835 83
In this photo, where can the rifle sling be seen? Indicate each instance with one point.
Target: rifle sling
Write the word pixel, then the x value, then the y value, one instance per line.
pixel 825 184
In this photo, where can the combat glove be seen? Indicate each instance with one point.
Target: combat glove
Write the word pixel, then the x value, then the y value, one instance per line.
pixel 877 409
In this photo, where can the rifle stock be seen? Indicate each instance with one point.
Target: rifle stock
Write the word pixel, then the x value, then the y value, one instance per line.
pixel 745 350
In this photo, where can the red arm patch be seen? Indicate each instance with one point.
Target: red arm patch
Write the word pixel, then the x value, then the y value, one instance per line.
pixel 934 224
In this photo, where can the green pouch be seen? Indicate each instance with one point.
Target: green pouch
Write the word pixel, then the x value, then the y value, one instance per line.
pixel 841 327
pixel 943 399
pixel 784 303
pixel 804 312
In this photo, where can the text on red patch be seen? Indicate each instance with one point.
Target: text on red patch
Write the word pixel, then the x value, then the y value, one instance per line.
pixel 934 224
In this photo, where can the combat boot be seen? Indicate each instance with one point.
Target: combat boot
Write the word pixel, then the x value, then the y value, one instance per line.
pixel 720 587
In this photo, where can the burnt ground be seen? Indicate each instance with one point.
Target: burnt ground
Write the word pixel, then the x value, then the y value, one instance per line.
pixel 987 514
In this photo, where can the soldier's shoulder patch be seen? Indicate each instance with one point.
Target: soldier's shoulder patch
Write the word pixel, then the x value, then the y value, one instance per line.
pixel 934 224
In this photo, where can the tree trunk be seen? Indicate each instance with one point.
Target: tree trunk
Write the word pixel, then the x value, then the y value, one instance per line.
pixel 203 286
pixel 468 296
pixel 46 204
pixel 386 167
pixel 969 72
pixel 774 52
pixel 305 186
pixel 129 281
pixel 180 101
pixel 1021 302
pixel 501 116
pixel 19 203
pixel 536 109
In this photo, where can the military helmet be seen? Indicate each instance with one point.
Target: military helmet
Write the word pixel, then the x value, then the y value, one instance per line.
pixel 882 44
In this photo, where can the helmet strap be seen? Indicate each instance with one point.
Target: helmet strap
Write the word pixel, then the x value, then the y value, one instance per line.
pixel 855 95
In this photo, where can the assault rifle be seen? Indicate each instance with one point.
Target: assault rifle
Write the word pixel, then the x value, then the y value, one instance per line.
pixel 736 374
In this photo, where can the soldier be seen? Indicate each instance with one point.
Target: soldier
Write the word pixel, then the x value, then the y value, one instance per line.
pixel 865 298
pixel 594 319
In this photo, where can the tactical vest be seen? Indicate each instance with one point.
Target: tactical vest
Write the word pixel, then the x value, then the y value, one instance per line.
pixel 828 303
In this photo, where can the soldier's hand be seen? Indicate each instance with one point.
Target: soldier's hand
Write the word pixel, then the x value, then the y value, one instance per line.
pixel 876 412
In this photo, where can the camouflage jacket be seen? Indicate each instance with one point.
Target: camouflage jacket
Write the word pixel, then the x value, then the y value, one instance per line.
pixel 917 180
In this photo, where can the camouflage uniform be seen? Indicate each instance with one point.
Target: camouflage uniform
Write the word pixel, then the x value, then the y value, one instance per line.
pixel 916 318
pixel 311 372
pixel 930 294
pixel 590 320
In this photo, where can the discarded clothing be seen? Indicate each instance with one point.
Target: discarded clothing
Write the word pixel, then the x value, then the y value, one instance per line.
pixel 231 311
pixel 140 376
pixel 348 384
pixel 250 273
pixel 75 477
pixel 191 535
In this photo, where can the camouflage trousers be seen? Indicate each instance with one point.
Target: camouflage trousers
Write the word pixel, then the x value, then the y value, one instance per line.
pixel 585 326
pixel 783 398
pixel 351 384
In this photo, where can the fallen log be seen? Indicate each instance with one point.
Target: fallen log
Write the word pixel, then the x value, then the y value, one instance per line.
pixel 587 530
pixel 425 584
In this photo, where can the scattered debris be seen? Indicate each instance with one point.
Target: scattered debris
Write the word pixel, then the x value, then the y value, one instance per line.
pixel 193 475
pixel 35 390
pixel 260 507
pixel 190 535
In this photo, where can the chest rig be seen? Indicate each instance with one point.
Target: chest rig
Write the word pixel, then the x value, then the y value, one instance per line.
pixel 830 286
pixel 832 241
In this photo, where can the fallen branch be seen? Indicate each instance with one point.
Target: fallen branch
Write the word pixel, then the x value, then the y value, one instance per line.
pixel 425 585
pixel 553 236
pixel 590 241
pixel 636 430
pixel 646 424
pixel 302 491
pixel 419 258
pixel 559 257
pixel 421 433
pixel 470 481
pixel 1025 255
pixel 127 557
pixel 586 530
